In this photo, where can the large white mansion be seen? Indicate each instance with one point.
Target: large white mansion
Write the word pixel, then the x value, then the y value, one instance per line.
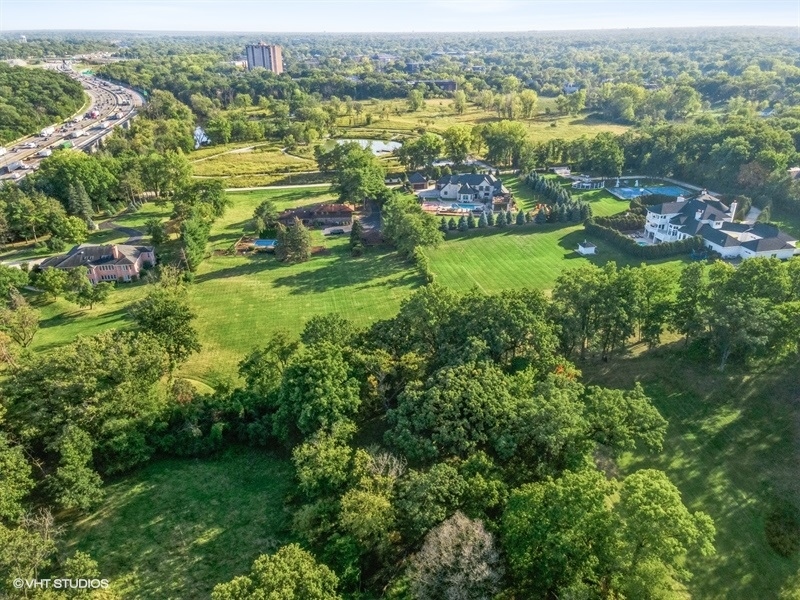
pixel 714 222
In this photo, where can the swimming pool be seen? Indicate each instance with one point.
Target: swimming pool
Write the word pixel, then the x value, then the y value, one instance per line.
pixel 629 193
pixel 466 206
pixel 265 243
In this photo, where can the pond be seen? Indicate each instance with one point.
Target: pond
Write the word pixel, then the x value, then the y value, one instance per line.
pixel 377 146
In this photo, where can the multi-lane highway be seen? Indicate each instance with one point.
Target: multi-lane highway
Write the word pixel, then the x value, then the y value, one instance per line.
pixel 111 105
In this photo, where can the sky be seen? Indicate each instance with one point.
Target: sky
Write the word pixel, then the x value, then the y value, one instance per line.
pixel 390 15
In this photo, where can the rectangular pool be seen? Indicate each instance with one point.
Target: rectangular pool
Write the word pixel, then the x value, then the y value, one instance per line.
pixel 629 193
pixel 265 243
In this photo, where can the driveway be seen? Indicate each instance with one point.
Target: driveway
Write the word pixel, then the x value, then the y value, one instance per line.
pixel 134 235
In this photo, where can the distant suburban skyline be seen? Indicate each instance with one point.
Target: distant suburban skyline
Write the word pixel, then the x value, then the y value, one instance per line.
pixel 389 15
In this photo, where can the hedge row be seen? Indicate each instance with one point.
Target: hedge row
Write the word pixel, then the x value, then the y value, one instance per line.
pixel 630 247
pixel 622 222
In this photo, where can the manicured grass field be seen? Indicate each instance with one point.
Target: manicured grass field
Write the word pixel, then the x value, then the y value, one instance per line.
pixel 529 256
pixel 177 527
pixel 732 450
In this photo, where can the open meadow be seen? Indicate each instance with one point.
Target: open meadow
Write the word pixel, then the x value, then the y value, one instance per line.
pixel 168 529
pixel 391 117
pixel 731 448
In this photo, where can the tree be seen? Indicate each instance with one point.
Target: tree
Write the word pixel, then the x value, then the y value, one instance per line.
pixel 358 173
pixel 554 530
pixel 688 312
pixel 458 141
pixel 11 279
pixel 294 242
pixel 265 216
pixel 157 230
pixel 356 232
pixel 416 100
pixel 194 235
pixel 459 102
pixel 19 320
pixel 79 203
pixel 331 328
pixel 457 560
pixel 656 531
pixel 51 281
pixel 521 218
pixel 316 393
pixel 72 230
pixel 75 484
pixel 16 482
pixel 289 574
pixel 407 226
pixel 165 314
pixel 421 152
pixel 81 291
pixel 116 402
pixel 529 100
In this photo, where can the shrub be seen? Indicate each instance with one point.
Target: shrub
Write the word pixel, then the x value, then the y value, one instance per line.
pixel 630 247
pixel 782 528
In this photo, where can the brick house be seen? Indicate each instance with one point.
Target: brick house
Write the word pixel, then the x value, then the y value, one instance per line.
pixel 115 262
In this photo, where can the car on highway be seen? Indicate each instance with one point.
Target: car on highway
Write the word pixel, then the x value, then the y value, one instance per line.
pixel 29 145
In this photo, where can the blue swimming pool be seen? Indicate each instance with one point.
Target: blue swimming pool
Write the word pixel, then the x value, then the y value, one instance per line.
pixel 629 193
pixel 265 243
pixel 466 206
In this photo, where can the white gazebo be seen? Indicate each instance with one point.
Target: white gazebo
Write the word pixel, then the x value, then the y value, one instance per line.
pixel 585 248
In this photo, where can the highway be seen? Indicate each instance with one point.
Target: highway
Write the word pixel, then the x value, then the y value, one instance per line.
pixel 82 131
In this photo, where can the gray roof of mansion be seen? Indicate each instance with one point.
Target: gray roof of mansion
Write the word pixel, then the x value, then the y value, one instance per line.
pixel 766 244
pixel 417 178
pixel 718 237
pixel 708 206
pixel 470 179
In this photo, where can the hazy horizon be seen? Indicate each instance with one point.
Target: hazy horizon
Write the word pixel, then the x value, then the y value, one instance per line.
pixel 388 16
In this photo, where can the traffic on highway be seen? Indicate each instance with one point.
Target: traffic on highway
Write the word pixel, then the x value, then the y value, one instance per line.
pixel 110 106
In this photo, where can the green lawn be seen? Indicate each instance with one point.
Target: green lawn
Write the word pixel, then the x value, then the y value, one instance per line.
pixel 732 450
pixel 530 256
pixel 240 300
pixel 179 526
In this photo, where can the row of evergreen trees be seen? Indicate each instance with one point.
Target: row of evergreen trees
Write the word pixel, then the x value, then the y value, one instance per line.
pixel 553 193
pixel 503 219
pixel 563 209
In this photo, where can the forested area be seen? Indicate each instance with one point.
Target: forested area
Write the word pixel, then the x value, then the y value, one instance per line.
pixel 34 98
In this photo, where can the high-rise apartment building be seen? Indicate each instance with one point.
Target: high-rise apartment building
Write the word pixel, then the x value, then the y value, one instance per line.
pixel 264 55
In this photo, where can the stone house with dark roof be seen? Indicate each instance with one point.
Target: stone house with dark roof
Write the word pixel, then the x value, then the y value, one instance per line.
pixel 418 181
pixel 114 262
